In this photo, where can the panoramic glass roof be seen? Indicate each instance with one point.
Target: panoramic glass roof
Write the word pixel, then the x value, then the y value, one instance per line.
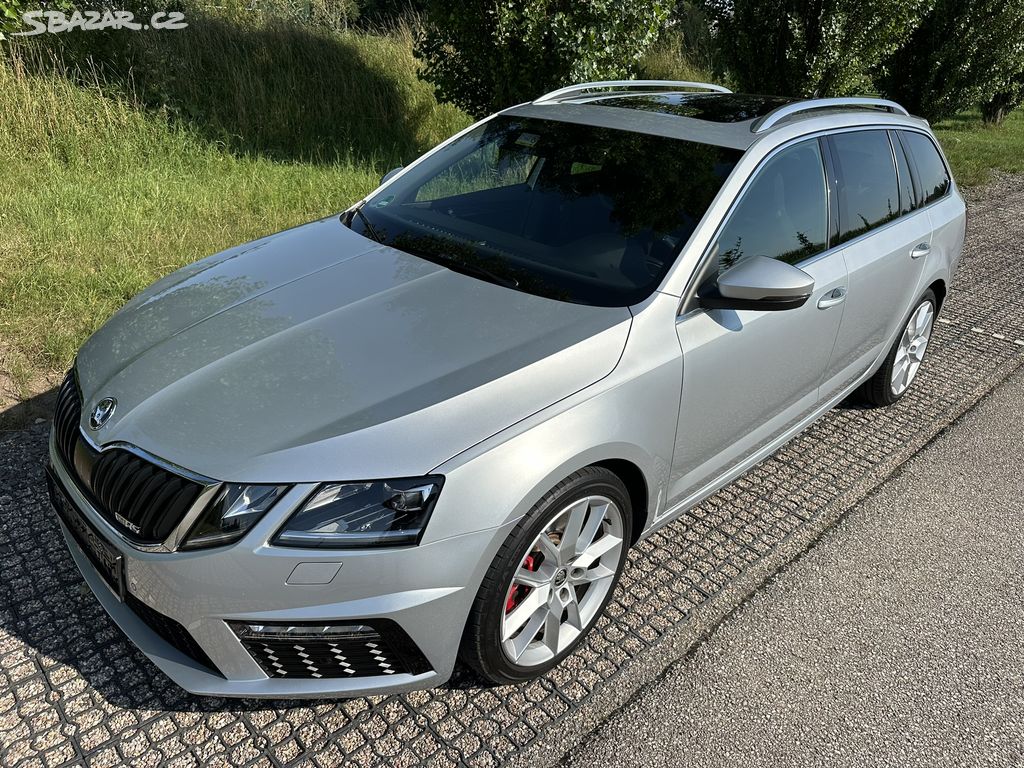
pixel 714 107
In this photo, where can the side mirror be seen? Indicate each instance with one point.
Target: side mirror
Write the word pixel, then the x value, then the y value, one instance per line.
pixel 390 174
pixel 759 283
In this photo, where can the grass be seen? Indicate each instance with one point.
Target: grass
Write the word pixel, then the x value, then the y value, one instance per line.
pixel 135 155
pixel 105 188
pixel 975 150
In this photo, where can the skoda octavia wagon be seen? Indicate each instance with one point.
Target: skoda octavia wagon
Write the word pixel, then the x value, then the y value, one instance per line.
pixel 336 460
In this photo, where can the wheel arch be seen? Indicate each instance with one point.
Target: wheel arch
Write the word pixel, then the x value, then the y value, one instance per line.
pixel 938 287
pixel 636 484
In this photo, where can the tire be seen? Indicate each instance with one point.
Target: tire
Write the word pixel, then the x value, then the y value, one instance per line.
pixel 881 390
pixel 570 587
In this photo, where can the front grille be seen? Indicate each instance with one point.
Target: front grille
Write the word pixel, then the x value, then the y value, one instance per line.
pixel 66 418
pixel 141 499
pixel 378 647
pixel 171 631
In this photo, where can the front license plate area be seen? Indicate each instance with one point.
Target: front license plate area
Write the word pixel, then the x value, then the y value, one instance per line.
pixel 107 560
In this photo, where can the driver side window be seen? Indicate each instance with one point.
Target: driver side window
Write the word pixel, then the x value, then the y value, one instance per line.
pixel 783 214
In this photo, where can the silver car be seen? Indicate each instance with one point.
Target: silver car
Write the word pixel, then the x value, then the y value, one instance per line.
pixel 336 460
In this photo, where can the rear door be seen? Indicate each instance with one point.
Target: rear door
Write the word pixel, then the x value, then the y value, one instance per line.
pixel 887 237
pixel 945 209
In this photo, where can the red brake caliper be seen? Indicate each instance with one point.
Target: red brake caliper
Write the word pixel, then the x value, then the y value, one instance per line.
pixel 519 591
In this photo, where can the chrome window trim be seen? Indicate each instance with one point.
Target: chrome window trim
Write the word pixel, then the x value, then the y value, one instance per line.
pixel 686 306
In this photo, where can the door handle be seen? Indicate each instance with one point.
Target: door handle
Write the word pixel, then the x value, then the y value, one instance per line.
pixel 922 249
pixel 833 297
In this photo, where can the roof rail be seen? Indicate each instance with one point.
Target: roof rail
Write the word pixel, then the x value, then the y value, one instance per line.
pixel 628 85
pixel 776 116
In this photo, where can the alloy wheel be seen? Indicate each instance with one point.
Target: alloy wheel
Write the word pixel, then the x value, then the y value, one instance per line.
pixel 912 347
pixel 560 584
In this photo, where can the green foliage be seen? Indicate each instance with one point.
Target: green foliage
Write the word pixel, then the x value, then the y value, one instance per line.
pixel 810 47
pixel 963 53
pixel 335 15
pixel 1004 101
pixel 484 56
pixel 685 48
pixel 254 83
pixel 10 16
pixel 975 149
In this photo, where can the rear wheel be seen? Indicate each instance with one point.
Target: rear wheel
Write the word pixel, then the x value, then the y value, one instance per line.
pixel 892 380
pixel 551 579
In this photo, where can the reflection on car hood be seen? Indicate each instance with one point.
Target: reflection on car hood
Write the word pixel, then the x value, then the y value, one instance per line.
pixel 316 354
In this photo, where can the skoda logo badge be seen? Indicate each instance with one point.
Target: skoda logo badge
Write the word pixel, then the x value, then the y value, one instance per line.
pixel 102 412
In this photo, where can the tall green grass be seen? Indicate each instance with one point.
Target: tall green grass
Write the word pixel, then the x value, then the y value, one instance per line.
pixel 975 149
pixel 118 171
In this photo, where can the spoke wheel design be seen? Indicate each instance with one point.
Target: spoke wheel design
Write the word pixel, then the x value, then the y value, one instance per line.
pixel 911 349
pixel 561 582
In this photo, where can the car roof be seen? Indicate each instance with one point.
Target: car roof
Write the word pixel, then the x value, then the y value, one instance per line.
pixel 712 115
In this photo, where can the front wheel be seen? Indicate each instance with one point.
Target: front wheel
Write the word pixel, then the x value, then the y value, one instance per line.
pixel 892 380
pixel 551 579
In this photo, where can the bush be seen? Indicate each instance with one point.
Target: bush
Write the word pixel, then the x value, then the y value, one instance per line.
pixel 484 56
pixel 797 48
pixel 963 53
pixel 684 50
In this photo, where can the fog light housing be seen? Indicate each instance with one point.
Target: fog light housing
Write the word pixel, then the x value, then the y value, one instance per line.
pixel 331 649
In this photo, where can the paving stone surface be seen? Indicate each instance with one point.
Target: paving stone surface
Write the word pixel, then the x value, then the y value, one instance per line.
pixel 73 689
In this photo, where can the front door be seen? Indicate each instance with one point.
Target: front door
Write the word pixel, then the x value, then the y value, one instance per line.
pixel 749 375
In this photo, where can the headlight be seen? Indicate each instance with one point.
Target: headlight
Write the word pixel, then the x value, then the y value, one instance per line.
pixel 371 514
pixel 233 511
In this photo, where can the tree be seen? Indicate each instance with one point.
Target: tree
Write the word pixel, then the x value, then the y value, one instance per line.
pixel 487 55
pixel 963 53
pixel 1002 103
pixel 809 47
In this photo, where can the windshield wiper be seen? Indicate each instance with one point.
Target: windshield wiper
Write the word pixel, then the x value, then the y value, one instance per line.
pixel 458 265
pixel 358 211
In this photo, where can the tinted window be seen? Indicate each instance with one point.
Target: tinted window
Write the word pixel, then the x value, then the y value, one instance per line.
pixel 572 212
pixel 486 168
pixel 930 168
pixel 868 191
pixel 908 196
pixel 784 212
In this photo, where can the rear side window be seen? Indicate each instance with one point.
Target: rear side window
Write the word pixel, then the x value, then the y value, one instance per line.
pixel 784 212
pixel 930 168
pixel 868 191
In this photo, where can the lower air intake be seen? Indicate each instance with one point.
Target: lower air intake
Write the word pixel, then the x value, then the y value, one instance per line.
pixel 315 651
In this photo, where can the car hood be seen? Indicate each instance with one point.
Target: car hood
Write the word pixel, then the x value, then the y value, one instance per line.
pixel 316 354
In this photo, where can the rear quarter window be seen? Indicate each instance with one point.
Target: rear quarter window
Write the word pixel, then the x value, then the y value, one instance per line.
pixel 930 169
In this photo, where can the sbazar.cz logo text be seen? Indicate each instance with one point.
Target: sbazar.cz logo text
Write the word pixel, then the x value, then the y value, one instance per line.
pixel 56 21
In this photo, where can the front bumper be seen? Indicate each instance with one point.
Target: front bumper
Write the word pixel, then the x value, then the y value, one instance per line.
pixel 426 590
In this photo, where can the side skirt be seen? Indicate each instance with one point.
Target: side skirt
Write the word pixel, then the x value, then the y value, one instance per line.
pixel 755 458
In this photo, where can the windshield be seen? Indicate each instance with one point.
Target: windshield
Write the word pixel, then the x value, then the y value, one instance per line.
pixel 571 212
